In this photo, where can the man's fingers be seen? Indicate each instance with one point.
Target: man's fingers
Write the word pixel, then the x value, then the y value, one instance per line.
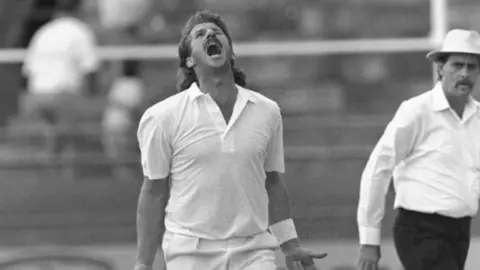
pixel 317 255
pixel 372 266
pixel 292 264
pixel 310 267
pixel 304 260
pixel 368 265
pixel 364 265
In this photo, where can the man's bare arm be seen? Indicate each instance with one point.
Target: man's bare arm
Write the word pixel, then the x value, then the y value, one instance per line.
pixel 152 201
pixel 279 202
pixel 279 207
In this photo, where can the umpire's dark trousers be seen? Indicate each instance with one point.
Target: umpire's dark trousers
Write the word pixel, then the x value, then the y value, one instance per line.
pixel 430 241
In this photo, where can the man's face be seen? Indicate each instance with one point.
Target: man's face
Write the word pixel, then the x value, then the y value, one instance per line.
pixel 209 46
pixel 459 74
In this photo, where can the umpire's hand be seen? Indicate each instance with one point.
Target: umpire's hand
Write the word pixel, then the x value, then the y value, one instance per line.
pixel 369 257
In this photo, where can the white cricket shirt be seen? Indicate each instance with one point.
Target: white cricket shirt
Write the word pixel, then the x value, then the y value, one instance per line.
pixel 217 169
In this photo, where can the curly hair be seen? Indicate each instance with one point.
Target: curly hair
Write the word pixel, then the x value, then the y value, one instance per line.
pixel 186 76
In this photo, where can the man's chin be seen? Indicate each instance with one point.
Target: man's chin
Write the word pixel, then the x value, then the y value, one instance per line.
pixel 216 61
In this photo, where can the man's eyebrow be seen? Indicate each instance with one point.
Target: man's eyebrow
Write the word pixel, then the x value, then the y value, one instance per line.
pixel 203 29
pixel 464 62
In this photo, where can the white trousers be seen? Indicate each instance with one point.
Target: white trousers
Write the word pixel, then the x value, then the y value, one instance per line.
pixel 182 252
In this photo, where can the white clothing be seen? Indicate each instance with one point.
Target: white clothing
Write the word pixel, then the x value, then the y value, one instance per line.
pixel 217 169
pixel 60 54
pixel 256 252
pixel 435 160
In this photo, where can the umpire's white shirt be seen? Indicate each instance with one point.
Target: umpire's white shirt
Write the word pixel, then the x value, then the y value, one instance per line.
pixel 435 159
pixel 217 169
pixel 59 55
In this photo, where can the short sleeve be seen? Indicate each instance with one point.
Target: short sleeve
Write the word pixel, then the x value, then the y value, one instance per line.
pixel 275 159
pixel 155 147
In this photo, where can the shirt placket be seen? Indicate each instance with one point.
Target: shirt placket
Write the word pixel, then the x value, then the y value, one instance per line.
pixel 228 142
pixel 228 137
pixel 220 124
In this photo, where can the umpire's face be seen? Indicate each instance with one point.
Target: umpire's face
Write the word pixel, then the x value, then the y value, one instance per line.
pixel 459 74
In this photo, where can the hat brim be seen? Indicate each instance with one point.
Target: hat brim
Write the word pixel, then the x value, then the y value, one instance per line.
pixel 434 55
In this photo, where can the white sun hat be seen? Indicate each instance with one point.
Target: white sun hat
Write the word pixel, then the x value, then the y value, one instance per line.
pixel 458 41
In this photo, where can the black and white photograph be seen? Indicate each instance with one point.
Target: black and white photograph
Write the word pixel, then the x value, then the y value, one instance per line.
pixel 239 134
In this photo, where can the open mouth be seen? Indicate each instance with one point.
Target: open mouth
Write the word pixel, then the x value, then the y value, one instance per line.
pixel 213 47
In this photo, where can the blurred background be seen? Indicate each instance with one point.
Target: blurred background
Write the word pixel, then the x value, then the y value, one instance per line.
pixel 335 105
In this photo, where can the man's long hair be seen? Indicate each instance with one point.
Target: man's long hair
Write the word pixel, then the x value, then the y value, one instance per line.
pixel 186 76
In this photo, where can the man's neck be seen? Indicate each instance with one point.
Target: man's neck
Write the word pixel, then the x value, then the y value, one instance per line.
pixel 221 88
pixel 458 104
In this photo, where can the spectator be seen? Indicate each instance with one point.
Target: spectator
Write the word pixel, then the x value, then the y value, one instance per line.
pixel 60 68
pixel 124 100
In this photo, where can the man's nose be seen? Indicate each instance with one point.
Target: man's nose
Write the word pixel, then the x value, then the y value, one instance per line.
pixel 464 72
pixel 211 33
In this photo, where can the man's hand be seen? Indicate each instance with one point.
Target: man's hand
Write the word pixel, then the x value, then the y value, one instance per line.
pixel 298 258
pixel 369 257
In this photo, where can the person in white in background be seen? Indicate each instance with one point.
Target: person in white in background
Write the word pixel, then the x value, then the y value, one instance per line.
pixel 432 149
pixel 60 67
pixel 212 156
pixel 124 99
